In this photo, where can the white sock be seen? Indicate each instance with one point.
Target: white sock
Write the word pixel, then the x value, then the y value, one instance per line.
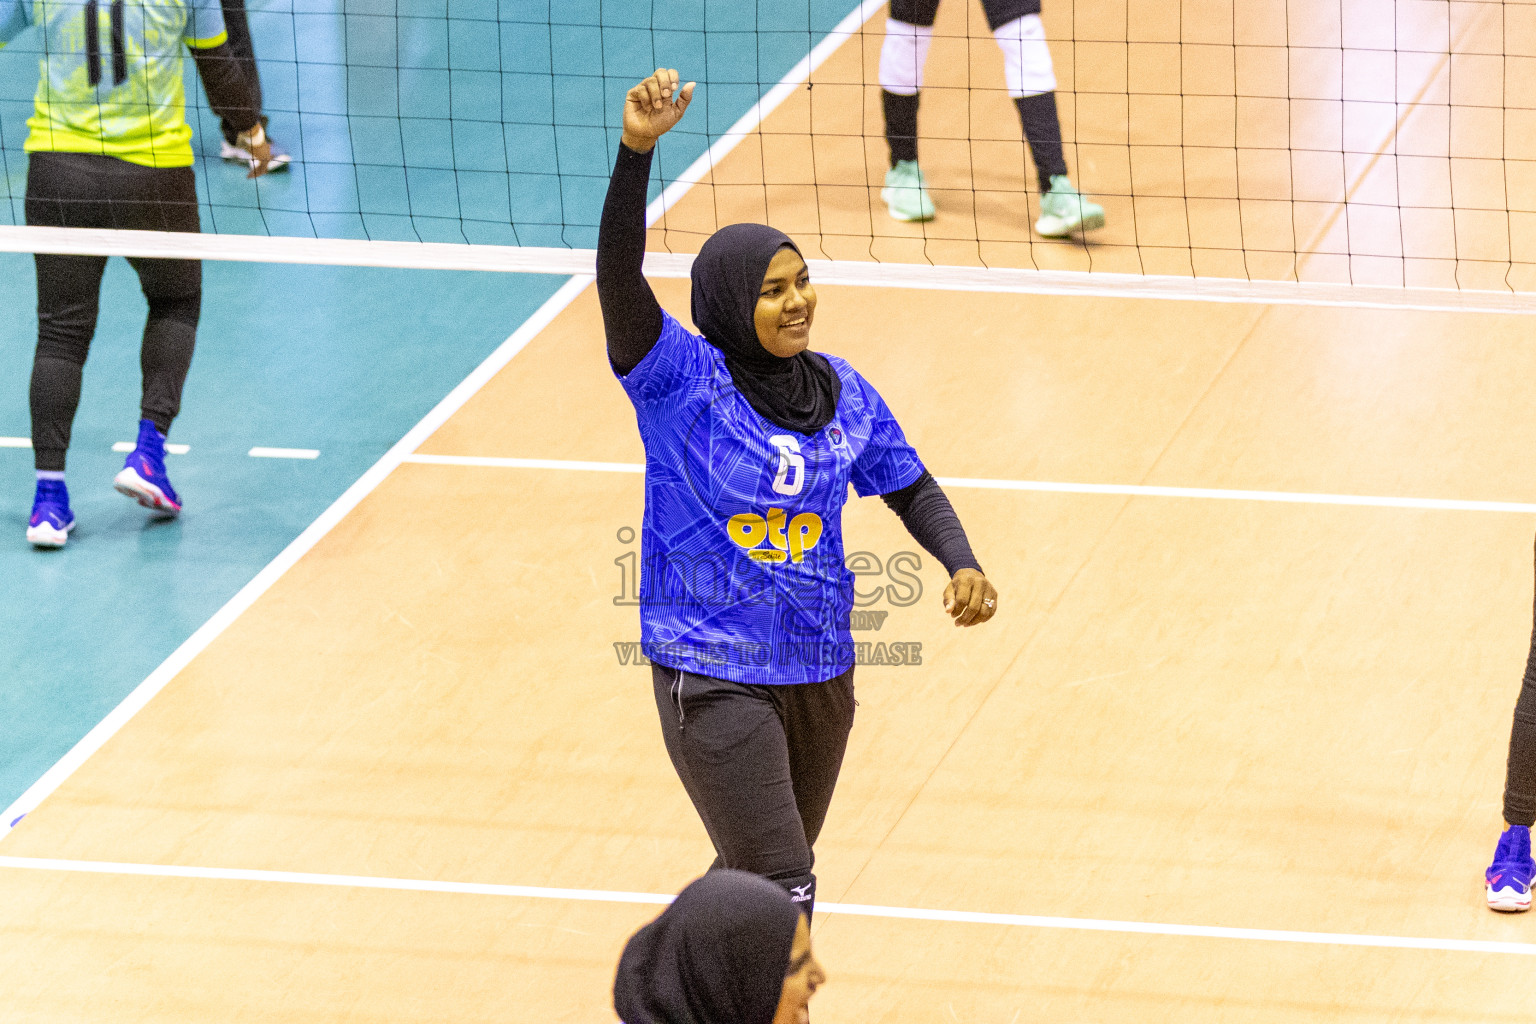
pixel 51 474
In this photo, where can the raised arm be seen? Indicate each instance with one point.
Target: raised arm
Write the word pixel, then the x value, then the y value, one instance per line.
pixel 925 511
pixel 631 315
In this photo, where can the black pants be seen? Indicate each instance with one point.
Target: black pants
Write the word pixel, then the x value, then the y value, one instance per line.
pixel 79 190
pixel 1520 777
pixel 760 764
pixel 998 12
pixel 245 53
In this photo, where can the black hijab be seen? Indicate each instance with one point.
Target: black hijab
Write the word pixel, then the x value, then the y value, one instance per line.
pixel 717 955
pixel 798 393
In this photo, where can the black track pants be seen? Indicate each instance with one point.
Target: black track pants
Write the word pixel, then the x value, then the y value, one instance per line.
pixel 760 764
pixel 85 191
pixel 1520 777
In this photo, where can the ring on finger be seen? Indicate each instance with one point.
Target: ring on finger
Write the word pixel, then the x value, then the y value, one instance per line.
pixel 989 602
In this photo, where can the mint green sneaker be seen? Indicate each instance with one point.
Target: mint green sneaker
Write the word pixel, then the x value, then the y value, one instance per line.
pixel 1064 210
pixel 904 194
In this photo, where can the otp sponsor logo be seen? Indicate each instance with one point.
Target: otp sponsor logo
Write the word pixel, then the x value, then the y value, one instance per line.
pixel 788 540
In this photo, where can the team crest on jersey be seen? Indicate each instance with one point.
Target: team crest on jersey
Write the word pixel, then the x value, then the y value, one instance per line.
pixel 836 434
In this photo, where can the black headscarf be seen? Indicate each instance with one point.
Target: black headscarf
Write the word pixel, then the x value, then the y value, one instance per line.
pixel 717 955
pixel 798 393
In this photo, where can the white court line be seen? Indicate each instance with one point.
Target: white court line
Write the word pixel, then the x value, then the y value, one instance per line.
pixel 1048 486
pixel 284 453
pixel 182 449
pixel 15 239
pixel 491 462
pixel 247 595
pixel 348 252
pixel 851 909
pixel 170 449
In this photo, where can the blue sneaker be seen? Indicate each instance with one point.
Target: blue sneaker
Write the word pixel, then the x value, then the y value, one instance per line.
pixel 143 477
pixel 51 518
pixel 1509 876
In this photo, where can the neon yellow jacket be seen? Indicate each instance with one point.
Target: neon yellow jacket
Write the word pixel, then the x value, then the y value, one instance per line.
pixel 110 77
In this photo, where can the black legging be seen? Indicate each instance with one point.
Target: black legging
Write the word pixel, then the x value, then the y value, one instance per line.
pixel 1520 776
pixel 86 191
pixel 998 12
pixel 245 54
pixel 760 764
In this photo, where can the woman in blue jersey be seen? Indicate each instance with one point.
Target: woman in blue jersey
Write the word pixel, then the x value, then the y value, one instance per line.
pixel 110 148
pixel 751 443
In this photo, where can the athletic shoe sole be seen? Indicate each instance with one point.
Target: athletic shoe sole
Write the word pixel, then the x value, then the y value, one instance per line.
pixel 145 493
pixel 919 217
pixel 1508 901
pixel 46 535
pixel 1063 228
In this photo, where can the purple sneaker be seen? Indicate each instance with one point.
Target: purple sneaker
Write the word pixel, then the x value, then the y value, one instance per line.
pixel 143 477
pixel 1509 876
pixel 51 518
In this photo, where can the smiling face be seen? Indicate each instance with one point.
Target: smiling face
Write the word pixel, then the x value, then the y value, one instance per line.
pixel 785 305
pixel 804 978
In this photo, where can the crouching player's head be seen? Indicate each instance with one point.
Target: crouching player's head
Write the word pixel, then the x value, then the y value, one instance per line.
pixel 731 949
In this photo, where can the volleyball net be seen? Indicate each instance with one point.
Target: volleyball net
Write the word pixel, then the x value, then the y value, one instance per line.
pixel 1371 144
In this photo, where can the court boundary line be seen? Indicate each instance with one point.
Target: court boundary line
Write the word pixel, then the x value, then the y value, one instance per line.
pixel 850 909
pixel 351 252
pixel 269 574
pixel 1045 486
pixel 247 595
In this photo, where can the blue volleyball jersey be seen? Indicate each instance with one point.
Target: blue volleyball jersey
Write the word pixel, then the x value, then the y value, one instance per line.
pixel 742 572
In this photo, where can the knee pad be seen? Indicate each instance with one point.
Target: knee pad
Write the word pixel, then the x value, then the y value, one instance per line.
pixel 1027 67
pixel 903 55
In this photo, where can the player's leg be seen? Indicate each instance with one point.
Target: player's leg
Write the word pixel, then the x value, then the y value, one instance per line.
pixel 1031 80
pixel 817 720
pixel 908 34
pixel 68 289
pixel 727 743
pixel 62 191
pixel 239 31
pixel 174 290
pixel 1509 876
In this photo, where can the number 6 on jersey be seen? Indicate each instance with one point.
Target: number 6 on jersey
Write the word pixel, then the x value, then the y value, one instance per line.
pixel 790 462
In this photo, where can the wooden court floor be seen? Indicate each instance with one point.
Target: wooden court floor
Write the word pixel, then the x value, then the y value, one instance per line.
pixel 1203 712
pixel 1188 712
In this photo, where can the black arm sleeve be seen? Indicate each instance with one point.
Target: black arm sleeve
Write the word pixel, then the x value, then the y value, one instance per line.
pixel 230 94
pixel 928 516
pixel 631 314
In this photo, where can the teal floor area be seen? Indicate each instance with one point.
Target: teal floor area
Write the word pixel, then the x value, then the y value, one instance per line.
pixel 438 120
pixel 461 120
pixel 343 360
